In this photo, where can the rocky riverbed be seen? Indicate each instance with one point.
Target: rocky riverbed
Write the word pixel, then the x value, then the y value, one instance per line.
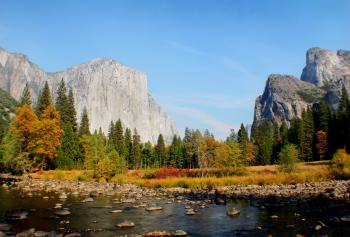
pixel 68 203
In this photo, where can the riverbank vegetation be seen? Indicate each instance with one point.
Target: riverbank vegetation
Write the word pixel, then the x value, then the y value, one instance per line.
pixel 46 136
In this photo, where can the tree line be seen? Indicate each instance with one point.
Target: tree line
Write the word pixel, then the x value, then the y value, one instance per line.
pixel 47 136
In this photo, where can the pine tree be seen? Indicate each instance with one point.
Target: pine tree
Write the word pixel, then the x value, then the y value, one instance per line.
pixel 44 100
pixel 69 151
pixel 26 98
pixel 160 150
pixel 147 156
pixel 243 141
pixel 176 153
pixel 84 124
pixel 111 136
pixel 72 113
pixel 284 133
pixel 136 150
pixel 324 115
pixel 119 138
pixel 343 120
pixel 128 146
pixel 307 136
pixel 62 102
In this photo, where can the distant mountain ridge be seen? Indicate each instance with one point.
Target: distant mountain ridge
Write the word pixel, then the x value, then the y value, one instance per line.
pixel 108 89
pixel 285 96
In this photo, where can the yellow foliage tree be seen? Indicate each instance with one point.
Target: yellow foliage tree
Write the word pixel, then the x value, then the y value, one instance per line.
pixel 47 137
pixel 23 126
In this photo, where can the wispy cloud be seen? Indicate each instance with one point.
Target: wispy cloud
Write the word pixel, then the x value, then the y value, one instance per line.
pixel 223 60
pixel 221 101
pixel 220 128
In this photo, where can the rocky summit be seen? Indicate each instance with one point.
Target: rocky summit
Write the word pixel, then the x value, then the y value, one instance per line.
pixel 285 97
pixel 108 89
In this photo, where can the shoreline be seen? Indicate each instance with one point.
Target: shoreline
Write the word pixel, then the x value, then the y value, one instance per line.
pixel 335 190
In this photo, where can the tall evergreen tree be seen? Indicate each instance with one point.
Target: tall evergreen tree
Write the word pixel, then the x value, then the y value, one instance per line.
pixel 160 150
pixel 119 138
pixel 84 128
pixel 147 156
pixel 136 150
pixel 343 120
pixel 72 113
pixel 176 153
pixel 44 100
pixel 26 98
pixel 69 151
pixel 284 133
pixel 62 102
pixel 243 141
pixel 307 136
pixel 111 136
pixel 128 146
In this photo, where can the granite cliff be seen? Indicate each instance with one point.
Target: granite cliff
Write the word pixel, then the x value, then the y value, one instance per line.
pixel 285 97
pixel 108 89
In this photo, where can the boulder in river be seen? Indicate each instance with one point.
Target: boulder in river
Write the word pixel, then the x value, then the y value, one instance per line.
pixel 233 212
pixel 126 224
pixel 154 208
pixel 63 212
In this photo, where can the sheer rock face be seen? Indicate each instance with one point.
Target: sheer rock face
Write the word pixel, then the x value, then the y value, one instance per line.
pixel 285 97
pixel 108 89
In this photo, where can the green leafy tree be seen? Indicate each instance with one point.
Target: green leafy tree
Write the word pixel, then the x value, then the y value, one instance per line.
pixel 94 149
pixel 44 100
pixel 235 157
pixel 26 98
pixel 84 128
pixel 288 157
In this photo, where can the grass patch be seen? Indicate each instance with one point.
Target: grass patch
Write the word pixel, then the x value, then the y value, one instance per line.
pixel 260 175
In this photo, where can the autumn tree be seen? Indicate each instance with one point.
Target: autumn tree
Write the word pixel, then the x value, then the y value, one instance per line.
pixel 47 138
pixel 322 144
pixel 23 125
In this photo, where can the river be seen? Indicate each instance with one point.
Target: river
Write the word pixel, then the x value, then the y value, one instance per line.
pixel 95 218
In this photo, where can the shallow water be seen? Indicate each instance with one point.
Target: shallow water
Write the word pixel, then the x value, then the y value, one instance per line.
pixel 95 219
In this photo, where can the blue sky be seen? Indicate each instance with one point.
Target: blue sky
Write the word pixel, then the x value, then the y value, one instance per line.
pixel 206 61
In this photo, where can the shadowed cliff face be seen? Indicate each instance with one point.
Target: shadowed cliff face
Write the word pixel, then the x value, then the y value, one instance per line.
pixel 108 89
pixel 285 97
